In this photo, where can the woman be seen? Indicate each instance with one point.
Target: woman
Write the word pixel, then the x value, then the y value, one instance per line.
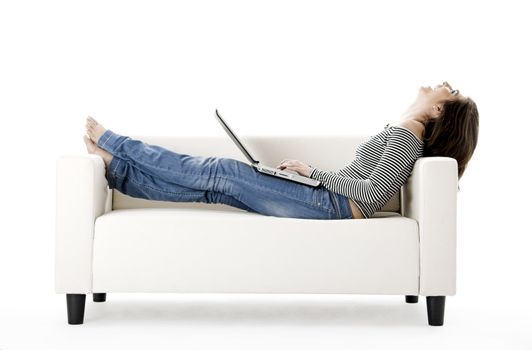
pixel 440 122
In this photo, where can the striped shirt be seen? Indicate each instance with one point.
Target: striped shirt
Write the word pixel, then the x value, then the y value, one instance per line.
pixel 382 165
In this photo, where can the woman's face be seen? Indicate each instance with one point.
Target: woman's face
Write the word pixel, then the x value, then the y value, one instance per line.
pixel 438 92
pixel 431 99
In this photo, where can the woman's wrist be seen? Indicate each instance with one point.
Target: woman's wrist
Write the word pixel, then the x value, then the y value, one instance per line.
pixel 310 169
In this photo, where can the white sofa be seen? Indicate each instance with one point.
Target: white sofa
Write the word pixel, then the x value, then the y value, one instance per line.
pixel 108 242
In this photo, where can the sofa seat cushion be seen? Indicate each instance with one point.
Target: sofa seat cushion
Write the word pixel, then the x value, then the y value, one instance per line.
pixel 194 250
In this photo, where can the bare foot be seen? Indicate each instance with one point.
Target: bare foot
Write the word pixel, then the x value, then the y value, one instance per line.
pixel 92 148
pixel 94 129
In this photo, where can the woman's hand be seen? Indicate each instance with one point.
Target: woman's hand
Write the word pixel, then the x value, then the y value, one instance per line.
pixel 295 165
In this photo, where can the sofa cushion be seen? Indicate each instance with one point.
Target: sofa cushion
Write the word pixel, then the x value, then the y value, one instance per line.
pixel 191 250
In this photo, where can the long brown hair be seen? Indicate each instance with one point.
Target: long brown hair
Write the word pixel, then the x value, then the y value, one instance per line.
pixel 454 134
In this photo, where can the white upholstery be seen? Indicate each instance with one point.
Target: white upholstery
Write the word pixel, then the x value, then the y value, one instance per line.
pixel 430 198
pixel 109 242
pixel 188 250
pixel 81 197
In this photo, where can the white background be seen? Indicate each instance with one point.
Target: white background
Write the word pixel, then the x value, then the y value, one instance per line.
pixel 272 67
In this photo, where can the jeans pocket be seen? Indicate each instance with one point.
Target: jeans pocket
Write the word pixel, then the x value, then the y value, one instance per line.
pixel 322 200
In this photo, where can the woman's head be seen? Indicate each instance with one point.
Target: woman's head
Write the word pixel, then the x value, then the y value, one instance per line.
pixel 451 125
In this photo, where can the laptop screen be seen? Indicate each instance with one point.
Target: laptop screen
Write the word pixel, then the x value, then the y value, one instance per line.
pixel 234 138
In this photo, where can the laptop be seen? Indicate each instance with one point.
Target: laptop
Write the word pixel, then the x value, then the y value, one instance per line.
pixel 273 171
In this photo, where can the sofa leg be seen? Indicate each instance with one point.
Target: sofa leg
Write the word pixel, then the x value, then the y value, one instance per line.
pixel 436 310
pixel 411 299
pixel 75 308
pixel 98 297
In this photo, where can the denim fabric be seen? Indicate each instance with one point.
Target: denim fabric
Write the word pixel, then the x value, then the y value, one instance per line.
pixel 142 170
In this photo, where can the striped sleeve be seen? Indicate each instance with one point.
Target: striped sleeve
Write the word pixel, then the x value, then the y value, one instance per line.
pixel 398 155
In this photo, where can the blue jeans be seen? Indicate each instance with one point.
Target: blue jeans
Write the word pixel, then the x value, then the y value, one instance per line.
pixel 141 170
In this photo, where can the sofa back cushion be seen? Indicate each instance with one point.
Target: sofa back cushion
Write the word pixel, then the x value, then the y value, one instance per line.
pixel 325 152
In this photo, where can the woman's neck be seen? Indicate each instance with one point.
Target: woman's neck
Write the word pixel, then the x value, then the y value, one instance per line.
pixel 415 113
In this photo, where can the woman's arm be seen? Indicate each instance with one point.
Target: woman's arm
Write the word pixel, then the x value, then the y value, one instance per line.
pixel 399 154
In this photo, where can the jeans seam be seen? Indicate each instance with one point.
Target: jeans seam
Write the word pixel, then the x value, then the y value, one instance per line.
pixel 163 191
pixel 108 137
pixel 113 171
pixel 156 189
pixel 336 204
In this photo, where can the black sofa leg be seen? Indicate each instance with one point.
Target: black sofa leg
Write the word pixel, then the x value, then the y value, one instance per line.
pixel 75 308
pixel 411 299
pixel 98 297
pixel 436 310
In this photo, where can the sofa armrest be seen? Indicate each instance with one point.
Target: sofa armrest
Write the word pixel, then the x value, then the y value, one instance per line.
pixel 82 194
pixel 430 198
